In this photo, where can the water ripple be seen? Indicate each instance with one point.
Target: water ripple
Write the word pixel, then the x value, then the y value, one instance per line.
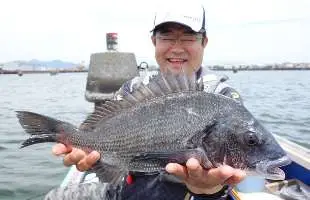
pixel 2 148
pixel 7 193
pixel 14 141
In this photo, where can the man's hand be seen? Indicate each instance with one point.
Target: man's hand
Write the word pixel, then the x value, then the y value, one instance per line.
pixel 201 181
pixel 78 157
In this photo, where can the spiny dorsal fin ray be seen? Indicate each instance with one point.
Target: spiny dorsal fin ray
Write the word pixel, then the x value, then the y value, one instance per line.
pixel 183 81
pixel 103 110
pixel 160 85
pixel 155 87
pixel 166 84
pixel 112 105
pixel 146 91
pixel 199 85
pixel 139 94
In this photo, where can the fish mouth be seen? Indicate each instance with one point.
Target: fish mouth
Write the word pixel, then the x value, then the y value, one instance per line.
pixel 271 169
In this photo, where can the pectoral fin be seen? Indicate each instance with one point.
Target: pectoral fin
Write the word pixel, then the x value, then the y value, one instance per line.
pixel 180 157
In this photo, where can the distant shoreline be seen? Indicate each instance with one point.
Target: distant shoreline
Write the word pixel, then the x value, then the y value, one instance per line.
pixel 56 71
pixel 52 71
pixel 260 69
pixel 266 67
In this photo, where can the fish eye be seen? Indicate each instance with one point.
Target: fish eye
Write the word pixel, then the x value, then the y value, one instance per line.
pixel 250 138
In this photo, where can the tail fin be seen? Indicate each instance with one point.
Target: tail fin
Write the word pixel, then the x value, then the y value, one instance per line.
pixel 43 128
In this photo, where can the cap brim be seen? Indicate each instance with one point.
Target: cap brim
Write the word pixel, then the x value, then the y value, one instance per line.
pixel 161 24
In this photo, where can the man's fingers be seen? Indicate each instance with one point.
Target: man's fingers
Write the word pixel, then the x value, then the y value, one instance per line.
pixel 205 181
pixel 223 172
pixel 177 170
pixel 92 158
pixel 59 149
pixel 238 176
pixel 87 162
pixel 194 168
pixel 74 157
pixel 227 175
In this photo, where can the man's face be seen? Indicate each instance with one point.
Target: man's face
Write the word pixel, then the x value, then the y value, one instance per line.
pixel 178 48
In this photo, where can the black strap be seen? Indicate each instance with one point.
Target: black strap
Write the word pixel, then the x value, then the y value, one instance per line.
pixel 222 194
pixel 198 72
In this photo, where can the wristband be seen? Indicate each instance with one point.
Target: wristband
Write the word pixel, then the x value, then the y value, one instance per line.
pixel 222 194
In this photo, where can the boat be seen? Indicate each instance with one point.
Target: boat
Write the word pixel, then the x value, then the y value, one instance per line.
pixel 19 73
pixel 54 72
pixel 234 69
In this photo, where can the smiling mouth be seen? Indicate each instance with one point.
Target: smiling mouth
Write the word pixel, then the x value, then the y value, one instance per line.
pixel 176 63
pixel 176 60
pixel 271 169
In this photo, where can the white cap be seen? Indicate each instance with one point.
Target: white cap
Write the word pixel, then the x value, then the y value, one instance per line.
pixel 191 16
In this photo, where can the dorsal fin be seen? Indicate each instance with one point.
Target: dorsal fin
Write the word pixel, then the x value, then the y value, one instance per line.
pixel 103 110
pixel 160 85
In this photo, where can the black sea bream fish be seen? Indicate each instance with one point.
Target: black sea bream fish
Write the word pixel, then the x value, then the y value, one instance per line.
pixel 168 120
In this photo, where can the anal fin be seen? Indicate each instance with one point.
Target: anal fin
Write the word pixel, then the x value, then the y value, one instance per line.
pixel 108 173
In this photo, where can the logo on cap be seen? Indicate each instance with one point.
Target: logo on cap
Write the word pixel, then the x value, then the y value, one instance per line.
pixel 192 18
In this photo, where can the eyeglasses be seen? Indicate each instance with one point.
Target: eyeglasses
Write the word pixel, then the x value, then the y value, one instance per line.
pixel 186 40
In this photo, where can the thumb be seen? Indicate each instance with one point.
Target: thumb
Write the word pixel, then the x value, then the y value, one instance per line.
pixel 59 149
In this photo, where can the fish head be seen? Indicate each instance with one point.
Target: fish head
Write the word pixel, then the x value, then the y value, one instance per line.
pixel 240 141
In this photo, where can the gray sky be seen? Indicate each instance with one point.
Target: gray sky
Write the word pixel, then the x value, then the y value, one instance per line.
pixel 239 31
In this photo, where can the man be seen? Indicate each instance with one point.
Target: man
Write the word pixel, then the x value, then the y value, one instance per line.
pixel 179 37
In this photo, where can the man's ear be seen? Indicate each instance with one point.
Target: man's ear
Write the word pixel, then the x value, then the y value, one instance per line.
pixel 205 42
pixel 153 40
